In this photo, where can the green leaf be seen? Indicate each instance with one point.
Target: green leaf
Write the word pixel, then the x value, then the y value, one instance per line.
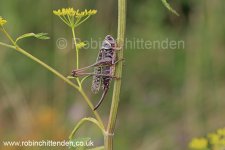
pixel 41 36
pixel 78 125
pixel 167 5
pixel 84 78
pixel 82 121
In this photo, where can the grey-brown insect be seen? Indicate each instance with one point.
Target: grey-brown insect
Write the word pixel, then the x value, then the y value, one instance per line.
pixel 104 68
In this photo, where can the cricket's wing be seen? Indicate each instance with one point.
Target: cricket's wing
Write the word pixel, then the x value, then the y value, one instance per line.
pixel 97 80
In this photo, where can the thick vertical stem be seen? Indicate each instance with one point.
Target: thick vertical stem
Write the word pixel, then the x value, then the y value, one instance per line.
pixel 117 84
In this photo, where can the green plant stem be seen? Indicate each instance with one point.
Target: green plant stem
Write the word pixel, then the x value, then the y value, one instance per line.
pixel 82 121
pixel 20 50
pixel 79 88
pixel 8 36
pixel 117 84
pixel 75 44
pixel 82 21
pixel 66 22
pixel 63 78
pixel 7 45
pixel 77 53
pixel 91 106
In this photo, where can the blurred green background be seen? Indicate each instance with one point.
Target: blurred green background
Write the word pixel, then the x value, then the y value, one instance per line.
pixel 168 96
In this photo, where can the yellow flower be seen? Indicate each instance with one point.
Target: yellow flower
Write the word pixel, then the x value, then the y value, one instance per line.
pixel 73 18
pixel 198 144
pixel 2 21
pixel 214 138
pixel 85 13
pixel 222 142
pixel 80 45
pixel 221 132
pixel 71 12
pixel 64 12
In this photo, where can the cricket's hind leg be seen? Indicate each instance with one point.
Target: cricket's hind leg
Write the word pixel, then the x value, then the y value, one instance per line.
pixel 103 62
pixel 94 74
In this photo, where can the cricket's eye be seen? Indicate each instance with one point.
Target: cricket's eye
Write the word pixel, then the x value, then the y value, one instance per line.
pixel 106 45
pixel 109 38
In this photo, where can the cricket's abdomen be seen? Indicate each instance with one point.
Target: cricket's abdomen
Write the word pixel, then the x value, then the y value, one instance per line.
pixel 106 80
pixel 96 82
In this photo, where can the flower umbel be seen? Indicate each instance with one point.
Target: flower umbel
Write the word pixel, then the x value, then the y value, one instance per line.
pixel 221 132
pixel 2 21
pixel 74 18
pixel 198 144
pixel 213 141
pixel 214 138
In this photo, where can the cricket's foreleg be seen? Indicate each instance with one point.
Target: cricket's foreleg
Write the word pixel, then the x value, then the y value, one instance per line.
pixel 118 48
pixel 122 59
pixel 102 98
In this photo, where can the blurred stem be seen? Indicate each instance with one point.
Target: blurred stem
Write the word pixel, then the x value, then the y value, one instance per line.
pixel 117 84
pixel 79 88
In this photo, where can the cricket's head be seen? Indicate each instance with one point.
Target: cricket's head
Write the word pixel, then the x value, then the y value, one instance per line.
pixel 109 42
